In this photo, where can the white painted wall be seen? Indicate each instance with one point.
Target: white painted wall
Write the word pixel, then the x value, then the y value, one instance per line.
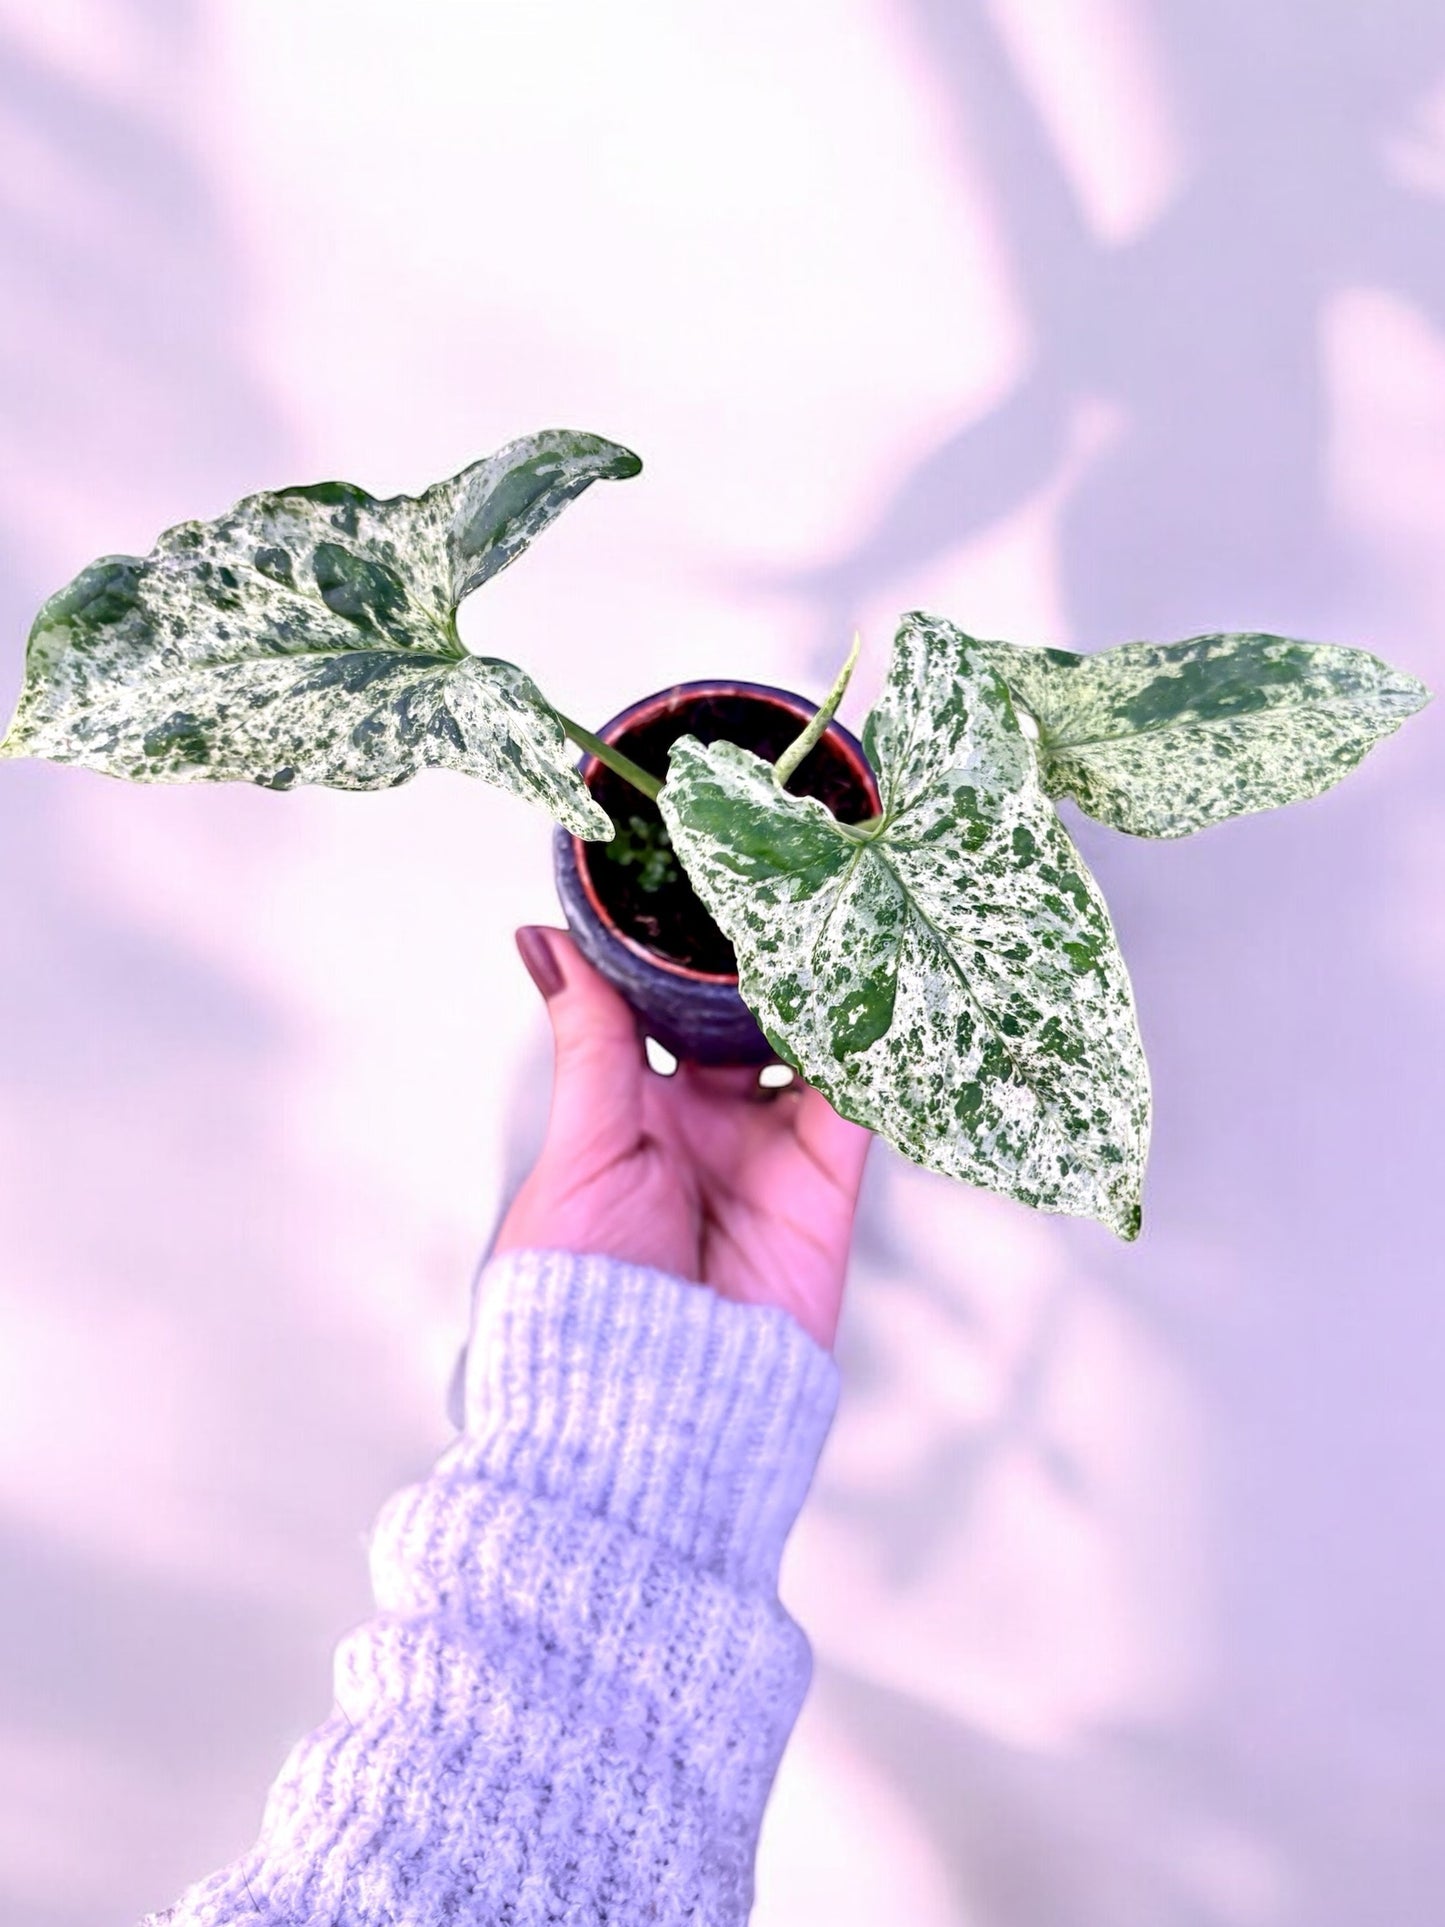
pixel 1076 322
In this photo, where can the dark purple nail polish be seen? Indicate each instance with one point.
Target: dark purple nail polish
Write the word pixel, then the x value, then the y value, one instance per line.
pixel 540 958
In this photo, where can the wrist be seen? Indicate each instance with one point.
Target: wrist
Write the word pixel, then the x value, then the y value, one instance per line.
pixel 649 1399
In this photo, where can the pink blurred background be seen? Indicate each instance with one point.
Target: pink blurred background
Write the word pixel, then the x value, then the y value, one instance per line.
pixel 1077 321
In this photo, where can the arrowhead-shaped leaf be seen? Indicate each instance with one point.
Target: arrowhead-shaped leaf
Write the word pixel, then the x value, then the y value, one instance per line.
pixel 1160 739
pixel 949 978
pixel 308 636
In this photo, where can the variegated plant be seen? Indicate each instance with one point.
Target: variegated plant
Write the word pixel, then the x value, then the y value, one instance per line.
pixel 946 973
pixel 309 636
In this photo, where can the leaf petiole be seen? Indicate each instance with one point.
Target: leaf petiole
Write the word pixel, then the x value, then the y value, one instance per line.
pixel 619 764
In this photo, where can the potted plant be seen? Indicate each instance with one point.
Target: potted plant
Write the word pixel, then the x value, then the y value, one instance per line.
pixel 629 903
pixel 904 921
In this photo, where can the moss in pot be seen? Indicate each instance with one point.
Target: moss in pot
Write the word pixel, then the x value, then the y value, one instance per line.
pixel 629 903
pixel 940 964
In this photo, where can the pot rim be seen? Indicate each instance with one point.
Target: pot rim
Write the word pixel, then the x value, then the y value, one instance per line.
pixel 675 697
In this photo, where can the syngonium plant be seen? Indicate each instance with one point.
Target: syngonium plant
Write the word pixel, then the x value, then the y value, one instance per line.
pixel 945 973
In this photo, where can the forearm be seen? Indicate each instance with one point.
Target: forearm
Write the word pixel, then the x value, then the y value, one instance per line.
pixel 573 1698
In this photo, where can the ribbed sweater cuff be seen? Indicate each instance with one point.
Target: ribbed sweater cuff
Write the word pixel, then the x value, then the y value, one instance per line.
pixel 649 1401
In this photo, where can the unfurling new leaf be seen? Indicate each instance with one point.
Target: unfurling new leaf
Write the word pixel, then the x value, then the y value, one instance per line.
pixel 309 636
pixel 949 976
pixel 1162 739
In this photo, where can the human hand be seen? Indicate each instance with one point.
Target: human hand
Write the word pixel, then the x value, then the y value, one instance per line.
pixel 701 1174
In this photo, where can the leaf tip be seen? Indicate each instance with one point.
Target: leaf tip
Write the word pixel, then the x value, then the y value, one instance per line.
pixel 613 462
pixel 1131 1223
pixel 593 833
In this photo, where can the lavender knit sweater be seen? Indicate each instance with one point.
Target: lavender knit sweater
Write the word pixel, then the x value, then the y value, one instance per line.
pixel 573 1697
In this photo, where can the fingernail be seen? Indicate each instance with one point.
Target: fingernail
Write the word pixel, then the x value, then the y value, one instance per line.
pixel 540 958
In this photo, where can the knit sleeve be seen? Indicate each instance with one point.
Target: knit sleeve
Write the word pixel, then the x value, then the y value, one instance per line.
pixel 573 1696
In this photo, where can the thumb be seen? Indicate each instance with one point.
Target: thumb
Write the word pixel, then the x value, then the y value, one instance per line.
pixel 598 1064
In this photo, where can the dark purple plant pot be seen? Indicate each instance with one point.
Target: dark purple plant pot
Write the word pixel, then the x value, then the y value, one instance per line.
pixel 698 1014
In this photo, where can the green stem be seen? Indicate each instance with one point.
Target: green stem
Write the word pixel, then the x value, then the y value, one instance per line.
pixel 619 764
pixel 796 751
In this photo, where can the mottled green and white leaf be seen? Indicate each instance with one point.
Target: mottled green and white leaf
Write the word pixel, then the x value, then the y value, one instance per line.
pixel 1161 739
pixel 949 978
pixel 309 636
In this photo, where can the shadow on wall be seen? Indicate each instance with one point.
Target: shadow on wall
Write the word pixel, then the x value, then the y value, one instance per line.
pixel 1294 1040
pixel 1287 1265
pixel 135 1066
